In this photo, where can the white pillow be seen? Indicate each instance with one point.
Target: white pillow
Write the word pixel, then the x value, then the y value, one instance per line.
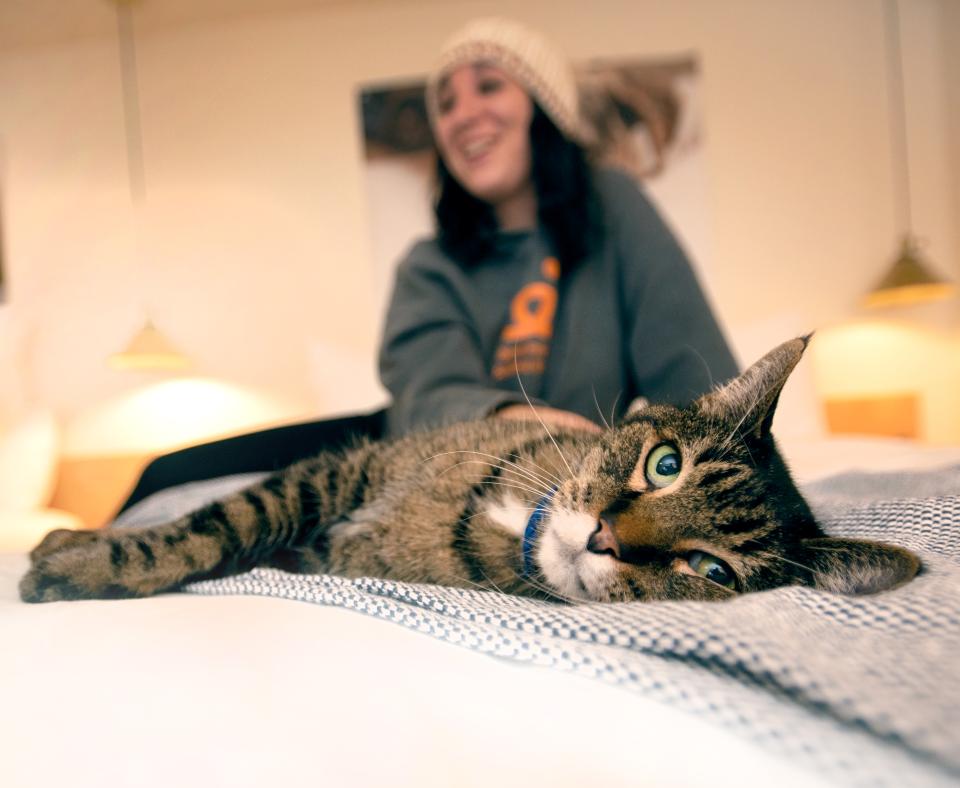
pixel 29 451
pixel 22 531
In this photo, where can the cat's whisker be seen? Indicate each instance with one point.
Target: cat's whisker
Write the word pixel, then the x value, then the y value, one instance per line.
pixel 543 488
pixel 553 440
pixel 548 479
pixel 491 581
pixel 516 487
pixel 530 478
pixel 551 592
pixel 480 586
pixel 545 475
pixel 706 366
pixel 474 584
pixel 747 411
pixel 599 411
pixel 613 407
pixel 539 490
pixel 727 444
pixel 735 433
pixel 774 556
pixel 827 548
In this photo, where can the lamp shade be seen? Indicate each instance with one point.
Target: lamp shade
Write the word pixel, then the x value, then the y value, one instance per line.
pixel 908 281
pixel 149 350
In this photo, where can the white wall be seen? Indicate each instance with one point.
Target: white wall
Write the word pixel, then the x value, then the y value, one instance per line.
pixel 950 31
pixel 255 237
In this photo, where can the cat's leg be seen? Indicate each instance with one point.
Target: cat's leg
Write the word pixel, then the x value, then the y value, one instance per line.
pixel 218 539
pixel 112 564
pixel 285 511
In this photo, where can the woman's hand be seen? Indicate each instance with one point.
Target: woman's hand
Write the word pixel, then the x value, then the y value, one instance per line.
pixel 552 417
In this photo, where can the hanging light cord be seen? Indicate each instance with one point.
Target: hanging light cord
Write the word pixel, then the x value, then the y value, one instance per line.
pixel 131 99
pixel 898 117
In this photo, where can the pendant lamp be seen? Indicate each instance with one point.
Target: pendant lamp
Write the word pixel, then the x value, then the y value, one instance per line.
pixel 909 279
pixel 149 349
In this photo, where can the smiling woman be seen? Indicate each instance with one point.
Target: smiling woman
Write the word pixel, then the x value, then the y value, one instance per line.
pixel 548 280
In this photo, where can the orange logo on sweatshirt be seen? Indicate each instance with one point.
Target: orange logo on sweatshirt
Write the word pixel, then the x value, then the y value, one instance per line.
pixel 525 340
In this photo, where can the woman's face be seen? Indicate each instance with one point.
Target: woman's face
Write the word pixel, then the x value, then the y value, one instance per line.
pixel 483 132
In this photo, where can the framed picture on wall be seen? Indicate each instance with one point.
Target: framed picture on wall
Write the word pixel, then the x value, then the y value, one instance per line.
pixel 647 119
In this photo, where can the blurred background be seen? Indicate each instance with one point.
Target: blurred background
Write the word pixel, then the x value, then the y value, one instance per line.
pixel 248 243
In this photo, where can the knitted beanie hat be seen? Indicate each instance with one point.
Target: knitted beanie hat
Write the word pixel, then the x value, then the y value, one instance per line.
pixel 527 57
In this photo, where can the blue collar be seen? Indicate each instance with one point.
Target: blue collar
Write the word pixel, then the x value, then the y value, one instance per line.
pixel 532 531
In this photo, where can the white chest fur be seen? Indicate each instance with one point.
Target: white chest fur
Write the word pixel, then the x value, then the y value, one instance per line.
pixel 510 513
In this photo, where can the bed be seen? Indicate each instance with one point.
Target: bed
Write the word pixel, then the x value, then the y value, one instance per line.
pixel 271 678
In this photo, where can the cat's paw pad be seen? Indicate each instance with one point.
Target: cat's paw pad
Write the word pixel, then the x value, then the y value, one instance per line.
pixel 59 540
pixel 43 584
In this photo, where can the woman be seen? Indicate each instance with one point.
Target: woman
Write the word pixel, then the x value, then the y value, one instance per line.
pixel 546 279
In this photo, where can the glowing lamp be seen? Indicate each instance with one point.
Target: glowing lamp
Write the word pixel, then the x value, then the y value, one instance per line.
pixel 908 281
pixel 149 350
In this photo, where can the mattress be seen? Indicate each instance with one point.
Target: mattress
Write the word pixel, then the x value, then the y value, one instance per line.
pixel 269 677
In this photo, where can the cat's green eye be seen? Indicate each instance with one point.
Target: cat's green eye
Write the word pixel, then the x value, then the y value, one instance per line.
pixel 663 465
pixel 712 568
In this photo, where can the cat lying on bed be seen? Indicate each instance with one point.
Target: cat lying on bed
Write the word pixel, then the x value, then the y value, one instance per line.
pixel 691 503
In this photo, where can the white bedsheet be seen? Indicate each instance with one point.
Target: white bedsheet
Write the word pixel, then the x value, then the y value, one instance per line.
pixel 247 691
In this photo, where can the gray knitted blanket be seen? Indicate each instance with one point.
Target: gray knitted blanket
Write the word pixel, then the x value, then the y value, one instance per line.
pixel 864 690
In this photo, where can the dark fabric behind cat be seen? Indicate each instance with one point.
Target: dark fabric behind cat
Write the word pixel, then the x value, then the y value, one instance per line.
pixel 691 503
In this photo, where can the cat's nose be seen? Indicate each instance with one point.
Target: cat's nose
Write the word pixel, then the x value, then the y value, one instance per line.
pixel 603 540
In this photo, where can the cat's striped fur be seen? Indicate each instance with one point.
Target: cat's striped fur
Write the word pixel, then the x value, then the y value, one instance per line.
pixel 716 515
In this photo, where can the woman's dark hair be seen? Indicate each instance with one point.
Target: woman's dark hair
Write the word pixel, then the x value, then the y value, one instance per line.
pixel 567 205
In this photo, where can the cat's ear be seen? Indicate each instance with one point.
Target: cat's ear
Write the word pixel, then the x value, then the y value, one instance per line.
pixel 855 566
pixel 636 407
pixel 751 399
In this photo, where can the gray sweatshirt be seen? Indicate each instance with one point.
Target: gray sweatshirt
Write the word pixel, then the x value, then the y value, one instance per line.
pixel 631 320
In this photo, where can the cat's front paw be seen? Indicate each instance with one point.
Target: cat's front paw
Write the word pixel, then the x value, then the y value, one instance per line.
pixel 79 572
pixel 42 585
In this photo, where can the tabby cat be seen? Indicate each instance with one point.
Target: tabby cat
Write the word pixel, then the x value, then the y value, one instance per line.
pixel 691 503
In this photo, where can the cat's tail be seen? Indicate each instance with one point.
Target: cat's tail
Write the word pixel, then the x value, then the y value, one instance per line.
pixel 285 514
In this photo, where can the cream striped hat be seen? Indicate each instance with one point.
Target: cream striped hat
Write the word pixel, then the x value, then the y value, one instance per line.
pixel 526 56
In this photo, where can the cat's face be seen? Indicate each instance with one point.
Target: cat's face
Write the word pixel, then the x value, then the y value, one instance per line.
pixel 698 504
